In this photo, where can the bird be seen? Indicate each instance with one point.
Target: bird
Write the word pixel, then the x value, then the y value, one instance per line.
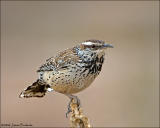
pixel 70 71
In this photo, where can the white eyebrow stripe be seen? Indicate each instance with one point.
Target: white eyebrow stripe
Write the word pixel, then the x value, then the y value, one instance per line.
pixel 87 43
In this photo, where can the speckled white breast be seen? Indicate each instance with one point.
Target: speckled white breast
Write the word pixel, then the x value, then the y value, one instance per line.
pixel 75 77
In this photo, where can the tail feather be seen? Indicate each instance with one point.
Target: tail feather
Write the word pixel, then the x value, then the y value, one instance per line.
pixel 37 89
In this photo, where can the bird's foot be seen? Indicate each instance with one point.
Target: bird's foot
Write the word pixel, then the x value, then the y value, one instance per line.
pixel 73 100
pixel 69 108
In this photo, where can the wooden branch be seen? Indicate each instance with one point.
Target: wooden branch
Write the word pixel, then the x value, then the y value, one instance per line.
pixel 77 118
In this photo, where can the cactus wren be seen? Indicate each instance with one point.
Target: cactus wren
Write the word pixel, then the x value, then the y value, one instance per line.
pixel 71 71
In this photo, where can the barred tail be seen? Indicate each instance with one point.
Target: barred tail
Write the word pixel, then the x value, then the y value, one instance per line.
pixel 37 89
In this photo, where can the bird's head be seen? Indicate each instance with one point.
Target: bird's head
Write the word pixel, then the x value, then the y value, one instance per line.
pixel 95 45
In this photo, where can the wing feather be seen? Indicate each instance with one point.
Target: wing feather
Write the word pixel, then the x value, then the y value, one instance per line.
pixel 61 61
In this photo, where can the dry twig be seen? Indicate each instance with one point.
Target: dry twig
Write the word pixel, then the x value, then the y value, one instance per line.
pixel 77 118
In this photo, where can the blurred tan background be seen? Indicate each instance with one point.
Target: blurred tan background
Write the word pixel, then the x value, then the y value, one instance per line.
pixel 126 92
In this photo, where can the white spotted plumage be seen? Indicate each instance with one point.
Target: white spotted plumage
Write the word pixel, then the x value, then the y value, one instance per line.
pixel 71 71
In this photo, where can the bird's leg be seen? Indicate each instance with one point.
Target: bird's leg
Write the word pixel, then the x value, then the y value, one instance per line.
pixel 72 99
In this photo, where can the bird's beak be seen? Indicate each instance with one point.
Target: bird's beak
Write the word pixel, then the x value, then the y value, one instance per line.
pixel 108 46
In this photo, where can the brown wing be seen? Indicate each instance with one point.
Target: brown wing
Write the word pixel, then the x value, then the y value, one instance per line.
pixel 50 65
pixel 64 58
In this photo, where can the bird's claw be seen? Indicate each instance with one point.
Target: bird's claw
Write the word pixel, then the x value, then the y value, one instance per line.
pixel 68 112
pixel 75 100
pixel 69 109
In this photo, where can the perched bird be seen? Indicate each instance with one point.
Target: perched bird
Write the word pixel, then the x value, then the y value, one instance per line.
pixel 71 71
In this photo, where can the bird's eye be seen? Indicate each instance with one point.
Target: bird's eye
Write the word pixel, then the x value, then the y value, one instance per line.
pixel 93 46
